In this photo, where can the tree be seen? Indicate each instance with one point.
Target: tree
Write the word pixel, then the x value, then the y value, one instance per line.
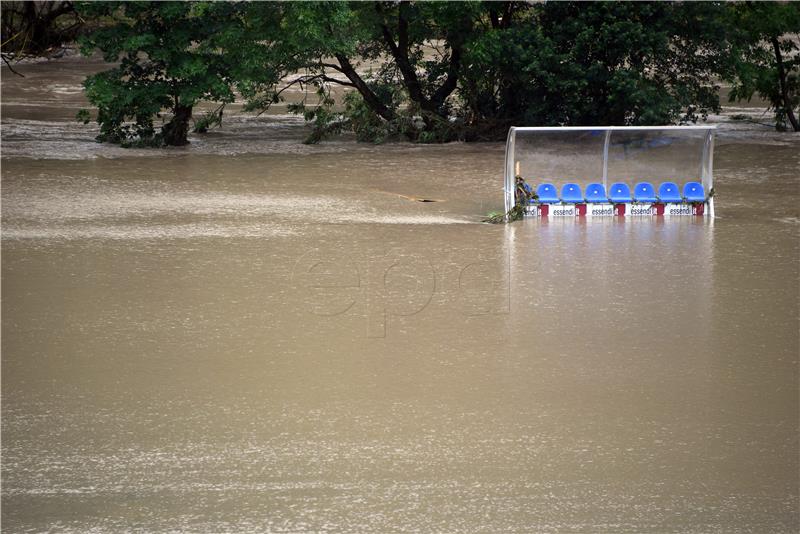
pixel 424 71
pixel 412 78
pixel 566 63
pixel 170 57
pixel 767 62
pixel 469 70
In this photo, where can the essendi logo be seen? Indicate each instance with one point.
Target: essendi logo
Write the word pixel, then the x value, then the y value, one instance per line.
pixel 563 212
pixel 680 209
pixel 641 210
pixel 609 211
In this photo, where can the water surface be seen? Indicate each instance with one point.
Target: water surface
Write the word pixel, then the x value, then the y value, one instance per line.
pixel 255 334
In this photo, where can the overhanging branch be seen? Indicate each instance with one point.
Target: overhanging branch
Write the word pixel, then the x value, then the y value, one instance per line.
pixel 10 67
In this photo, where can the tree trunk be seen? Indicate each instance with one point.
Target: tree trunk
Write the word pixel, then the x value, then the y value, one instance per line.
pixel 431 107
pixel 451 82
pixel 367 94
pixel 175 132
pixel 787 105
pixel 399 52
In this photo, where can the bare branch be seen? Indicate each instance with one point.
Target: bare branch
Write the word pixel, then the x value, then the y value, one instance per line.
pixel 10 67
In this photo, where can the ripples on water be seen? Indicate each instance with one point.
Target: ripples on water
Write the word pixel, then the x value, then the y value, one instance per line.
pixel 193 339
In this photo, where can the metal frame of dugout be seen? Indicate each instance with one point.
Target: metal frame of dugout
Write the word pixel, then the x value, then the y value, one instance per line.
pixel 652 159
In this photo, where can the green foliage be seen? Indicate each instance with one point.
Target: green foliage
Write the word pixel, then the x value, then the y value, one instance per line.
pixel 169 57
pixel 566 63
pixel 767 59
pixel 210 119
pixel 84 116
pixel 433 71
pixel 523 196
pixel 367 126
pixel 560 63
pixel 324 120
pixel 516 213
pixel 404 93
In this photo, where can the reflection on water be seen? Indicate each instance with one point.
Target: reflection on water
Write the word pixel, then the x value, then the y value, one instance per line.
pixel 271 336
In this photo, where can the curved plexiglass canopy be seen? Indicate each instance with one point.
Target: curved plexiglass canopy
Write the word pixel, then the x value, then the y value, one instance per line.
pixel 609 154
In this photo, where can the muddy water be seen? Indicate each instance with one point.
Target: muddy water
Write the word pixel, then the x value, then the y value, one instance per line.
pixel 255 334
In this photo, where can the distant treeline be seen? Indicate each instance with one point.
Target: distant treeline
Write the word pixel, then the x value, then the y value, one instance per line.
pixel 434 71
pixel 34 28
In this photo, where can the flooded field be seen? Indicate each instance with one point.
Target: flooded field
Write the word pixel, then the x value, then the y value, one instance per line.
pixel 252 334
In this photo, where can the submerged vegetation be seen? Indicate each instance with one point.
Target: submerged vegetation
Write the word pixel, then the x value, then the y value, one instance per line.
pixel 514 214
pixel 432 71
pixel 523 196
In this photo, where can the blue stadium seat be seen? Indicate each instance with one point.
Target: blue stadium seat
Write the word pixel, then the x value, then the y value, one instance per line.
pixel 669 192
pixel 547 194
pixel 620 192
pixel 572 193
pixel 694 192
pixel 644 192
pixel 596 193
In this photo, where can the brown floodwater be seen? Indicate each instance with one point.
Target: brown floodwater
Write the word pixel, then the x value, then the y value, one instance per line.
pixel 252 334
